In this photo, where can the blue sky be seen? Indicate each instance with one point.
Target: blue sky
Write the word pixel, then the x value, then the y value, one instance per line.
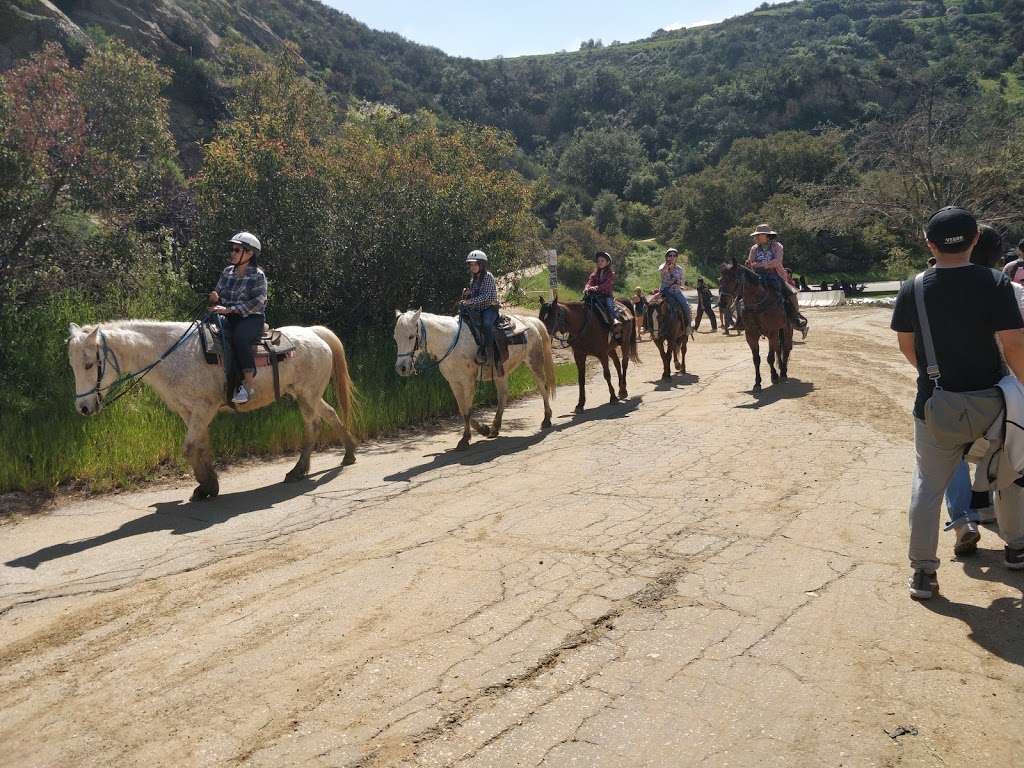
pixel 516 27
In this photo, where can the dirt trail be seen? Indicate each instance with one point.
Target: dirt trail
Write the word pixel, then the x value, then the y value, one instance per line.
pixel 641 586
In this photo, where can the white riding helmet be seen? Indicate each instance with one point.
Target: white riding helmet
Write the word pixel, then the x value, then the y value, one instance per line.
pixel 476 256
pixel 248 239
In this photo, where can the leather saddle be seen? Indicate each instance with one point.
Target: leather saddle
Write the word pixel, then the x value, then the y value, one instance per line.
pixel 271 348
pixel 599 308
pixel 509 331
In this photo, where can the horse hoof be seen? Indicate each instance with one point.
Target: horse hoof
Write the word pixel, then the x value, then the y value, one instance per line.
pixel 546 424
pixel 757 389
pixel 293 477
pixel 463 445
pixel 202 494
pixel 350 459
pixel 578 408
pixel 483 430
pixel 775 378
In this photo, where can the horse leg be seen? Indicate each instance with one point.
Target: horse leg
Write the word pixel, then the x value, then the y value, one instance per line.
pixel 787 347
pixel 773 351
pixel 464 397
pixel 620 370
pixel 311 421
pixel 501 386
pixel 197 451
pixel 682 355
pixel 536 362
pixel 753 343
pixel 330 417
pixel 608 378
pixel 581 376
pixel 666 357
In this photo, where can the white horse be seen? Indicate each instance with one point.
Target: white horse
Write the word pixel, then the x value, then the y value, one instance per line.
pixel 450 343
pixel 170 357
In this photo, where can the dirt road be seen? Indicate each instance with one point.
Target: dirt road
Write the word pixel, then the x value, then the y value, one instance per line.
pixel 692 578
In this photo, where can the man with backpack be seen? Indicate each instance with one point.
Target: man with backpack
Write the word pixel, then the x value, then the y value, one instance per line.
pixel 947 321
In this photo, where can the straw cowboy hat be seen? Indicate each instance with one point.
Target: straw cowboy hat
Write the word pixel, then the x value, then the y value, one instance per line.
pixel 763 229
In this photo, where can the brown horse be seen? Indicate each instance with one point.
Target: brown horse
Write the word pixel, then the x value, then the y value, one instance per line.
pixel 589 336
pixel 763 315
pixel 673 336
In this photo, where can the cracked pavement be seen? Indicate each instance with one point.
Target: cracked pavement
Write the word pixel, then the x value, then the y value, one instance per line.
pixel 694 577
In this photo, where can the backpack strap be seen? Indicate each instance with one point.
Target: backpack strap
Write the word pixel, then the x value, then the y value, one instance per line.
pixel 932 365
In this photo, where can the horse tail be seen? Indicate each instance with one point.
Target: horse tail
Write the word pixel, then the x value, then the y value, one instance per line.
pixel 549 364
pixel 632 348
pixel 344 389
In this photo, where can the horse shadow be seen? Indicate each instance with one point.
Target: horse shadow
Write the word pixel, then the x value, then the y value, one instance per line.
pixel 676 380
pixel 484 450
pixel 183 517
pixel 995 628
pixel 791 389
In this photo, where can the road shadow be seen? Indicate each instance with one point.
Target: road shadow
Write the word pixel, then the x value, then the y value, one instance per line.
pixel 484 450
pixel 996 628
pixel 180 517
pixel 677 380
pixel 784 390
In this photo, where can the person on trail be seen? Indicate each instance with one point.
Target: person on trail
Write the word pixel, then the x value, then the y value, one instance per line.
pixel 966 507
pixel 601 287
pixel 241 297
pixel 1015 268
pixel 765 258
pixel 967 308
pixel 480 303
pixel 639 302
pixel 704 305
pixel 672 281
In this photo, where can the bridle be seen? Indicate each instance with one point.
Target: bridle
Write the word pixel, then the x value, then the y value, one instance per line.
pixel 105 355
pixel 419 346
pixel 558 329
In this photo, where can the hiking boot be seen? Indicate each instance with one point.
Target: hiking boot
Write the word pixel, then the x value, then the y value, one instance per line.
pixel 481 356
pixel 923 584
pixel 1013 558
pixel 967 538
pixel 241 396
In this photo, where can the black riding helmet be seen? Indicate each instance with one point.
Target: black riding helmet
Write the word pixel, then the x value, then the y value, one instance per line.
pixel 603 254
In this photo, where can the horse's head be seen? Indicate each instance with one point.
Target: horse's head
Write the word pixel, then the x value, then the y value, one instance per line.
pixel 551 315
pixel 408 340
pixel 88 355
pixel 728 279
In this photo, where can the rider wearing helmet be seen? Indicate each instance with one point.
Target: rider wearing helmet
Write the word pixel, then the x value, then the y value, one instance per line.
pixel 601 286
pixel 480 303
pixel 241 297
pixel 672 280
pixel 765 258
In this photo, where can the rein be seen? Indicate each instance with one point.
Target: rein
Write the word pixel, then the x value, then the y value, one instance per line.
pixel 130 380
pixel 420 345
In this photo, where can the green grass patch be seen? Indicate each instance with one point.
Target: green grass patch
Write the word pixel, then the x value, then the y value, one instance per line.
pixel 642 264
pixel 536 286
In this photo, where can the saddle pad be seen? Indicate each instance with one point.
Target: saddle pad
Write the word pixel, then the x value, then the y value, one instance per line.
pixel 511 326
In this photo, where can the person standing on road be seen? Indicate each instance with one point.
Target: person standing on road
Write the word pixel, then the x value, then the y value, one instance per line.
pixel 967 308
pixel 704 305
pixel 966 507
pixel 639 303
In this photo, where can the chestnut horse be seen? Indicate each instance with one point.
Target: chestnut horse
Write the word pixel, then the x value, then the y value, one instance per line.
pixel 672 338
pixel 763 315
pixel 589 336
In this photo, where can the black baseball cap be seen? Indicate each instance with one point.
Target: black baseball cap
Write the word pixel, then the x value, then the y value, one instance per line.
pixel 951 229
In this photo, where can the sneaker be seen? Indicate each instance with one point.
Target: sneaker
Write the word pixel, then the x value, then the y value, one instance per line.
pixel 967 538
pixel 923 584
pixel 986 515
pixel 1014 559
pixel 241 395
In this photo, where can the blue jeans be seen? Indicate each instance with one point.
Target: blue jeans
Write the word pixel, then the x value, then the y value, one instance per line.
pixel 962 504
pixel 485 319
